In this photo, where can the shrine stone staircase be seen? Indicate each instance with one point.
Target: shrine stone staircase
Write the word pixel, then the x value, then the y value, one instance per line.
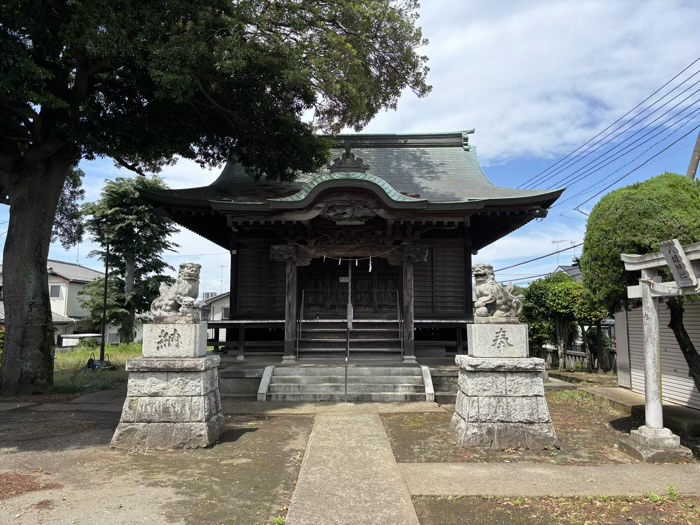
pixel 368 339
pixel 365 383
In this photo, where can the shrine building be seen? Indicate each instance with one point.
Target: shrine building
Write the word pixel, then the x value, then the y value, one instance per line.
pixel 371 256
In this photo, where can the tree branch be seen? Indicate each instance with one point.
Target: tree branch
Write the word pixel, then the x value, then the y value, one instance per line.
pixel 132 167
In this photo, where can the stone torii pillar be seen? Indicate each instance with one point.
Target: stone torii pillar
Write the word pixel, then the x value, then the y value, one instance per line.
pixel 652 441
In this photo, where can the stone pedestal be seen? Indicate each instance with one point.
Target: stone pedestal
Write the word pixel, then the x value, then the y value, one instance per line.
pixel 654 445
pixel 500 401
pixel 173 391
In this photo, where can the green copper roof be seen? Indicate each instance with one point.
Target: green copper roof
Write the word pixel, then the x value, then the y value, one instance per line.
pixel 435 169
pixel 348 176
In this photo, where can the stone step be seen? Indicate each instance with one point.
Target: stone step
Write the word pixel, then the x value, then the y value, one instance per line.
pixel 353 341
pixel 386 379
pixel 340 350
pixel 354 397
pixel 366 357
pixel 338 387
pixel 352 370
pixel 356 325
pixel 352 330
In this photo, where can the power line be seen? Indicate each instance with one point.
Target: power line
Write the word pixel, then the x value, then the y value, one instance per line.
pixel 614 123
pixel 651 135
pixel 593 186
pixel 527 278
pixel 633 170
pixel 623 131
pixel 538 258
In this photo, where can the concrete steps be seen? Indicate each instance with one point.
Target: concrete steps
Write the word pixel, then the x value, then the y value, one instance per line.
pixel 327 383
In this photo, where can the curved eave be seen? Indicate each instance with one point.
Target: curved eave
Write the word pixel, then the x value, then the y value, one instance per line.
pixel 166 198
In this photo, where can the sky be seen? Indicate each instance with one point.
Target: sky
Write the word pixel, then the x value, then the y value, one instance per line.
pixel 537 80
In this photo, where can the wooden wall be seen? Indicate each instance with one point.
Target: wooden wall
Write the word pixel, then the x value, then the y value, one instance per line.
pixel 439 282
pixel 261 282
pixel 677 385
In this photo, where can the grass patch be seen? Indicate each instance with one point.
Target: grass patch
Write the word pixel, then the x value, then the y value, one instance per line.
pixel 650 509
pixel 583 398
pixel 71 375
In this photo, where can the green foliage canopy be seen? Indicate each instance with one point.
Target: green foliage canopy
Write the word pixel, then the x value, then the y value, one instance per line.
pixel 634 220
pixel 141 82
pixel 139 238
pixel 537 311
pixel 68 224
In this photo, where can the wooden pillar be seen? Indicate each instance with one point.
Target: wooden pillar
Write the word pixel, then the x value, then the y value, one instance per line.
pixel 409 354
pixel 233 281
pixel 233 293
pixel 288 254
pixel 409 255
pixel 468 300
pixel 241 342
pixel 290 310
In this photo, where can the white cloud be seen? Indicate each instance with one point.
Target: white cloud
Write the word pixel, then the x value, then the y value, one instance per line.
pixel 539 78
pixel 536 79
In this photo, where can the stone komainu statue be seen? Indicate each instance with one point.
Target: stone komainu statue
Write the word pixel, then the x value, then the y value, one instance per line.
pixel 493 297
pixel 177 300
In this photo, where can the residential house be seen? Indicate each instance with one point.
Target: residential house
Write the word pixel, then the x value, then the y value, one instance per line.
pixel 66 280
pixel 574 271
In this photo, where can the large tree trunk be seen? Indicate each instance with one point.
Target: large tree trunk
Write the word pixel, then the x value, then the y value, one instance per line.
pixel 126 331
pixel 691 355
pixel 29 341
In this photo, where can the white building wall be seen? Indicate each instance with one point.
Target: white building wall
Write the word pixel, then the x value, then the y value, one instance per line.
pixel 73 303
pixel 218 308
pixel 676 383
pixel 59 304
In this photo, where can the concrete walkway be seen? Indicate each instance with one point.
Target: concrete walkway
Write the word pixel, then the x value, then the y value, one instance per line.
pixel 349 476
pixel 676 417
pixel 532 479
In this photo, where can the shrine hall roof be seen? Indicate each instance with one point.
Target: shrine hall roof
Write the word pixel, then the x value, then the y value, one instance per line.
pixel 433 168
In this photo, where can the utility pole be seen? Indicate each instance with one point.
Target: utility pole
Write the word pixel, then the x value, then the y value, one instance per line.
pixel 558 243
pixel 694 159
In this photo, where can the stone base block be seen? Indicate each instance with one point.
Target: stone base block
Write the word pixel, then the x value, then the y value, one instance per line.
pixel 647 454
pixel 503 434
pixel 175 339
pixel 655 437
pixel 171 403
pixel 500 403
pixel 140 437
pixel 497 340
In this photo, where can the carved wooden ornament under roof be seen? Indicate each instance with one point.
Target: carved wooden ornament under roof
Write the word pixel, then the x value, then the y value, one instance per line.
pixel 347 162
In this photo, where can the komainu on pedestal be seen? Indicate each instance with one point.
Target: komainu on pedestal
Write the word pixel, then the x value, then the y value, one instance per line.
pixel 173 391
pixel 500 401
